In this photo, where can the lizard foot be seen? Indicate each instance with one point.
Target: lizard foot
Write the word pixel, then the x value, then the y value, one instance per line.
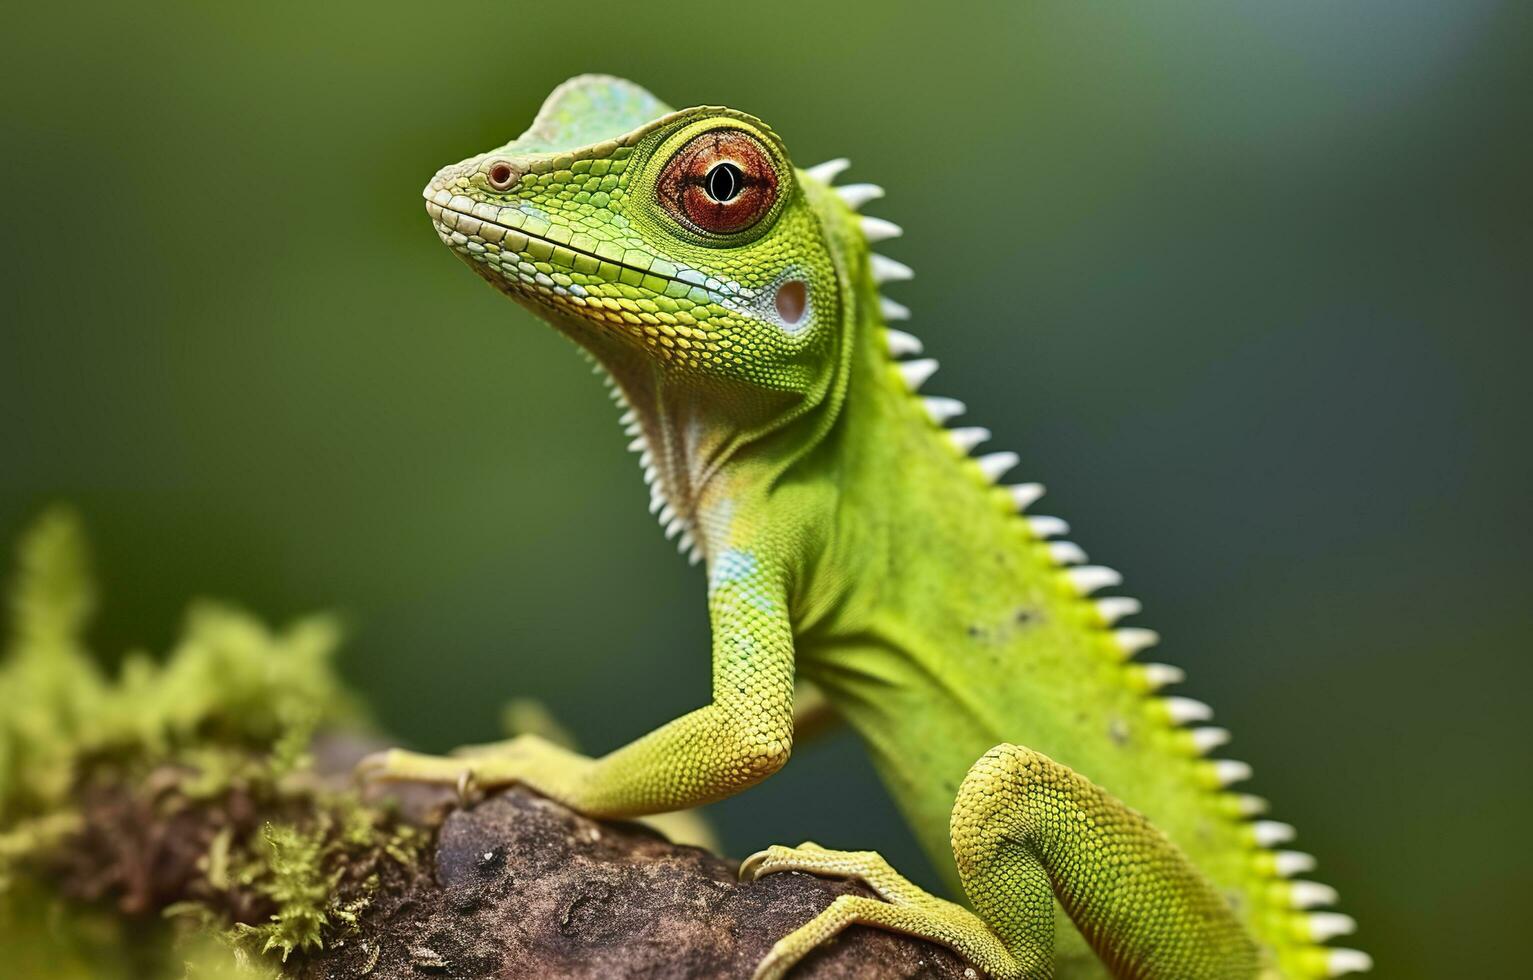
pixel 867 867
pixel 901 907
pixel 527 760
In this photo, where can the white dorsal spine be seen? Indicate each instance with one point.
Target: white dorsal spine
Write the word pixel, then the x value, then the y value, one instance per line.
pixel 902 344
pixel 856 195
pixel 1066 553
pixel 1185 711
pixel 885 269
pixel 943 410
pixel 997 465
pixel 1229 771
pixel 1329 925
pixel 892 310
pixel 1206 739
pixel 1271 833
pixel 1250 805
pixel 1044 526
pixel 1089 578
pixel 1024 495
pixel 968 437
pixel 1114 608
pixel 1158 676
pixel 879 230
pixel 1311 895
pixel 1290 863
pixel 829 170
pixel 916 373
pixel 1341 961
pixel 1133 639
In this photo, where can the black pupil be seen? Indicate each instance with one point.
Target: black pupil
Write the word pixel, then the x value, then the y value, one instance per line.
pixel 724 182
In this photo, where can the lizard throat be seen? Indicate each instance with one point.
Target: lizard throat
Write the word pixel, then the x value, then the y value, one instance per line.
pixel 674 453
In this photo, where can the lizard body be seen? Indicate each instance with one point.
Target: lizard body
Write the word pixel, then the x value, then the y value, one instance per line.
pixel 852 540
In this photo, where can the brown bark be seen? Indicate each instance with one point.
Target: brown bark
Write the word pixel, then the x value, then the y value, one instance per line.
pixel 522 887
pixel 513 886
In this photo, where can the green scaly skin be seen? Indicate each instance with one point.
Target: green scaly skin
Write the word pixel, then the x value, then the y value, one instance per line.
pixel 852 542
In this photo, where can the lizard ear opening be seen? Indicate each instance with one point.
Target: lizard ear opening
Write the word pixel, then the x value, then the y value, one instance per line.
pixel 792 300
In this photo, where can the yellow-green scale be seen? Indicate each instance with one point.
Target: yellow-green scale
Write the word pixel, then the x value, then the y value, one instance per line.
pixel 962 633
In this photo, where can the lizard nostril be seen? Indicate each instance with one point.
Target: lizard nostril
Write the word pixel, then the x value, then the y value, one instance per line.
pixel 502 175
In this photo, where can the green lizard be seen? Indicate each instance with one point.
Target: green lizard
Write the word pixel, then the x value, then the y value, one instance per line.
pixel 851 540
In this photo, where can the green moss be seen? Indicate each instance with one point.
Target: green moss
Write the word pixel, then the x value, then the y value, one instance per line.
pixel 213 738
pixel 297 880
pixel 49 685
pixel 230 681
pixel 321 876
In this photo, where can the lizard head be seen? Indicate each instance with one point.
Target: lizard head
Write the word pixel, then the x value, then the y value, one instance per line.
pixel 679 248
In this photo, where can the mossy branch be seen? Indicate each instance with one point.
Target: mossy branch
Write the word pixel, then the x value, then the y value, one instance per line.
pixel 194 817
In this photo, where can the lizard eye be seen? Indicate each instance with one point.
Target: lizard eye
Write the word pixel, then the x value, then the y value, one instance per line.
pixel 720 182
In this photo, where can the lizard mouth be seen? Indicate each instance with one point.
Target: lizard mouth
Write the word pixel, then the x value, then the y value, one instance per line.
pixel 492 236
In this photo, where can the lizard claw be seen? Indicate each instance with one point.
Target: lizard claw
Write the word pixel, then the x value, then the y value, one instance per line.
pixel 774 860
pixel 750 868
pixel 468 791
pixel 771 860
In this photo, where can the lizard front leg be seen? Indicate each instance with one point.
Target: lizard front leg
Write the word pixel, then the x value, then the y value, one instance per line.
pixel 1026 831
pixel 741 737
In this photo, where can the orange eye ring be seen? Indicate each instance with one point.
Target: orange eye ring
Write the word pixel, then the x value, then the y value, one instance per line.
pixel 721 182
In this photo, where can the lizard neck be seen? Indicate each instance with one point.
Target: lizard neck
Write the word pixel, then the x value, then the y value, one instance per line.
pixel 705 459
pixel 680 449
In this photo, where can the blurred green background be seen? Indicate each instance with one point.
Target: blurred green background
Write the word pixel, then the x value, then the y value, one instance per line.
pixel 1246 284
